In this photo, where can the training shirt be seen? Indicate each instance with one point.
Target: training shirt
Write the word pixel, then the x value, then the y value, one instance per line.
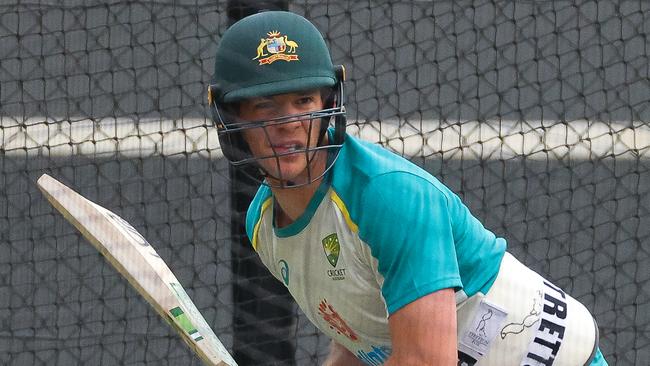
pixel 379 233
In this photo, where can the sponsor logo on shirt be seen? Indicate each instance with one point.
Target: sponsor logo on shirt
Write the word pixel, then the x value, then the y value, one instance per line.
pixel 376 356
pixel 335 321
pixel 332 249
pixel 284 271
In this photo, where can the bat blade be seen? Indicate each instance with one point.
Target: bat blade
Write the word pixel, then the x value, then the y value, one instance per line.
pixel 135 259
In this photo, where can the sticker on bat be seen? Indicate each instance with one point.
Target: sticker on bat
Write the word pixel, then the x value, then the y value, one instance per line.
pixel 185 323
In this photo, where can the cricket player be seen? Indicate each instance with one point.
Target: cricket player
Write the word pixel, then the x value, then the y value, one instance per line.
pixel 380 255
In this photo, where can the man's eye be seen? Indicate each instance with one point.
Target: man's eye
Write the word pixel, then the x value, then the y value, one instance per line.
pixel 264 106
pixel 305 100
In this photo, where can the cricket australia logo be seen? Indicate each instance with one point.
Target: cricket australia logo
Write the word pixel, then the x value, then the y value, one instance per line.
pixel 276 47
pixel 332 250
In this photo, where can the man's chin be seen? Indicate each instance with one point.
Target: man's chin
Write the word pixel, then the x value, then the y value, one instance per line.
pixel 290 179
pixel 293 173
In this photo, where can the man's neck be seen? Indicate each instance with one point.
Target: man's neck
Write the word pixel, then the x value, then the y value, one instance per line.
pixel 292 202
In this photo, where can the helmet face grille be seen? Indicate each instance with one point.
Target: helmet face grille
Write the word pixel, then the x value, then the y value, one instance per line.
pixel 318 153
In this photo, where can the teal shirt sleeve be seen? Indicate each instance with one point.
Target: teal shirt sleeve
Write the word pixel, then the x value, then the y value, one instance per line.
pixel 408 226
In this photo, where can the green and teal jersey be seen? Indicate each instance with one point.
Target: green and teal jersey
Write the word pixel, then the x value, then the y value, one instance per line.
pixel 379 233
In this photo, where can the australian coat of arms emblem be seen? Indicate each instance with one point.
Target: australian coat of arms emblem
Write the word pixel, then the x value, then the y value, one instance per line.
pixel 276 47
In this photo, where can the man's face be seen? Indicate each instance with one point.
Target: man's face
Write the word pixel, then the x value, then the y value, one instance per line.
pixel 282 146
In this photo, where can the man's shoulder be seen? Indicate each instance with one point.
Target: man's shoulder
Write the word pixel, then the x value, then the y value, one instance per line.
pixel 361 163
pixel 262 195
pixel 371 180
pixel 256 208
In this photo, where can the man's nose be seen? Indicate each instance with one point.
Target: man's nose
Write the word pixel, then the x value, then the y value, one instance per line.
pixel 293 115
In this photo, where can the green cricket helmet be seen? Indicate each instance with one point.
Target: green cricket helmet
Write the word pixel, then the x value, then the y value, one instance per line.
pixel 271 53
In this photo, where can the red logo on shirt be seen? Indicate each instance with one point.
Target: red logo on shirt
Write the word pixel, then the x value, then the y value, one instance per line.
pixel 335 321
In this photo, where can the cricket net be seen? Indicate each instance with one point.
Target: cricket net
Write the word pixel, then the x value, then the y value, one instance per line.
pixel 535 112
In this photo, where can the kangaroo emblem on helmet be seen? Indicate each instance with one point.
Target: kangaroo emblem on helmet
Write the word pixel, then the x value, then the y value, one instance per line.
pixel 260 48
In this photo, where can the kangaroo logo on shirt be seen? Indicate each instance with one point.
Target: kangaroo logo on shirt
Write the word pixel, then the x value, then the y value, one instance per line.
pixel 332 248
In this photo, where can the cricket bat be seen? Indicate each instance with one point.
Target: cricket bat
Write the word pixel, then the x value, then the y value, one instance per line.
pixel 132 256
